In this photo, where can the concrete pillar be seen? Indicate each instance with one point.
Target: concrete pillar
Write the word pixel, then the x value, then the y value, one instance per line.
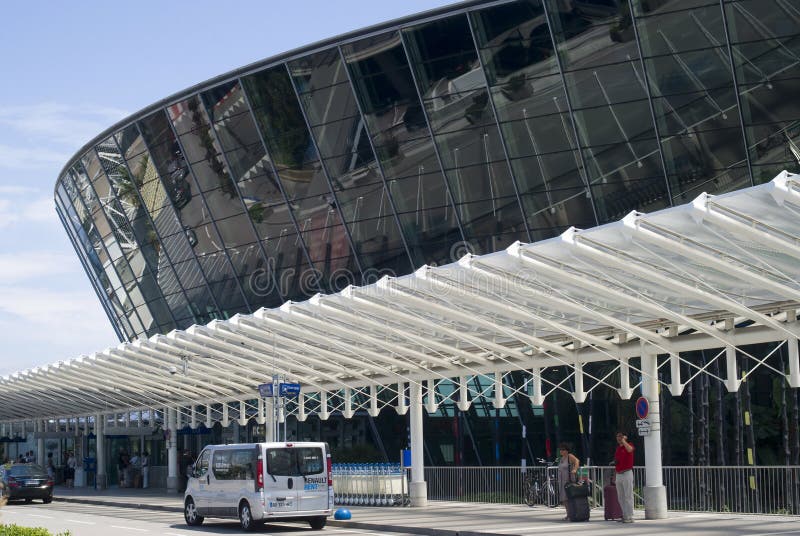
pixel 226 420
pixel 655 494
pixel 172 450
pixel 418 488
pixel 99 430
pixel 267 409
pixel 625 391
pixel 794 363
pixel 39 426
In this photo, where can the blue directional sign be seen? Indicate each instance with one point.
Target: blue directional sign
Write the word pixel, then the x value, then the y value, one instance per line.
pixel 289 389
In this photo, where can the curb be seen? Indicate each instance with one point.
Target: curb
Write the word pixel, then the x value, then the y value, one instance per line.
pixel 332 522
pixel 412 530
pixel 142 506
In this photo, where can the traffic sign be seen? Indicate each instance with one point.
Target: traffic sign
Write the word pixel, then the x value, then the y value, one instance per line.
pixel 265 390
pixel 643 427
pixel 289 389
pixel 642 407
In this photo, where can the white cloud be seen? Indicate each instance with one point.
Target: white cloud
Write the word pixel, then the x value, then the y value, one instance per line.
pixel 18 190
pixel 32 158
pixel 36 266
pixel 37 210
pixel 50 325
pixel 51 122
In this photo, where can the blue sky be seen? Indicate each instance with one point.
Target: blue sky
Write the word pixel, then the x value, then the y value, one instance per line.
pixel 71 69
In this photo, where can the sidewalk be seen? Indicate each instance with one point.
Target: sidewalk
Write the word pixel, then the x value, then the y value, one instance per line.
pixel 438 519
pixel 469 519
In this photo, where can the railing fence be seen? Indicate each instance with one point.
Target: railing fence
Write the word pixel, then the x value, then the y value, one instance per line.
pixel 750 490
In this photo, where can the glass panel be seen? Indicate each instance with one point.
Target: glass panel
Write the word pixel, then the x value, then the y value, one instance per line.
pixel 229 297
pixel 329 104
pixel 766 54
pixel 515 45
pixel 600 35
pixel 350 163
pixel 688 66
pixel 693 29
pixel 549 215
pixel 701 160
pixel 464 128
pixel 385 88
pixel 130 141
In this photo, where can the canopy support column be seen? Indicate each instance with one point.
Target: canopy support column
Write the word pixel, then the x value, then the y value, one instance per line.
pixel 38 427
pixel 99 431
pixel 794 363
pixel 172 450
pixel 655 494
pixel 419 488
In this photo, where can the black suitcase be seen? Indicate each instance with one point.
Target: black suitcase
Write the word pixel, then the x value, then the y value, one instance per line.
pixel 578 508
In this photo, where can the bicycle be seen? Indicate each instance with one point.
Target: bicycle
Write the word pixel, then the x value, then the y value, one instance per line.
pixel 538 489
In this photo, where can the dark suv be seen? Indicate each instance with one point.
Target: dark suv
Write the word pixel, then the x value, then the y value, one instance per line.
pixel 27 481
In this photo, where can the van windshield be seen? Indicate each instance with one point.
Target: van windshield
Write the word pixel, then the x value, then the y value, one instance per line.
pixel 299 461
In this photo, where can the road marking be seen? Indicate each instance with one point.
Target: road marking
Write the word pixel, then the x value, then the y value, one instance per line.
pixel 81 522
pixel 44 517
pixel 129 528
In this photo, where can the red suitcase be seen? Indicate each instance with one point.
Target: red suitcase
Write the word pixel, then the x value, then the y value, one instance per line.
pixel 611 501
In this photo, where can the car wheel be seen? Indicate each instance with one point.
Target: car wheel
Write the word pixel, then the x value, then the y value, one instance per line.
pixel 317 523
pixel 246 516
pixel 28 501
pixel 190 514
pixel 47 500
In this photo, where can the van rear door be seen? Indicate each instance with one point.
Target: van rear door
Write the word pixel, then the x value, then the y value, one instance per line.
pixel 281 480
pixel 311 464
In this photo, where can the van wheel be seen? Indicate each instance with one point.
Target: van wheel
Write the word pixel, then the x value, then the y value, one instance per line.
pixel 246 516
pixel 190 514
pixel 317 523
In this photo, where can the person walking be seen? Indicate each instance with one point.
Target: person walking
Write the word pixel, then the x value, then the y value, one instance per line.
pixel 184 463
pixel 623 459
pixel 69 471
pixel 145 459
pixel 568 465
pixel 50 467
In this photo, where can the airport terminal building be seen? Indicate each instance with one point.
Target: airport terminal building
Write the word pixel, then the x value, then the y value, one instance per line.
pixel 459 130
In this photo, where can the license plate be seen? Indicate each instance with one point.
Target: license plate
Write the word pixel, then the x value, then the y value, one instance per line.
pixel 31 483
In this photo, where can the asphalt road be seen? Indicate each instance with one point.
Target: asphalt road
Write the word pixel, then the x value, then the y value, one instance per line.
pixel 94 520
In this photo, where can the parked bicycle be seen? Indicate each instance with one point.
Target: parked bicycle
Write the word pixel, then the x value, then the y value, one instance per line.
pixel 539 486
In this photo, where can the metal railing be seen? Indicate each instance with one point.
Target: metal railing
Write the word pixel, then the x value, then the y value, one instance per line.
pixel 752 490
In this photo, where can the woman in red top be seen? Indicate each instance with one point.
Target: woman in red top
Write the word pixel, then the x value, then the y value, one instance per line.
pixel 624 469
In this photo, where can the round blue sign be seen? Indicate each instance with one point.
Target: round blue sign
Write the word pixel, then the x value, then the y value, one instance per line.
pixel 642 407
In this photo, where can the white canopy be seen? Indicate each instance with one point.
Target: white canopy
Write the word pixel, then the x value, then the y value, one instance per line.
pixel 720 272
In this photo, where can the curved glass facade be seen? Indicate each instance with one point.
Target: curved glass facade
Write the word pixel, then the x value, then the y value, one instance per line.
pixel 465 130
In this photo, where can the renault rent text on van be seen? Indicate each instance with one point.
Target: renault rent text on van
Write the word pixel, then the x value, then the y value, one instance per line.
pixel 260 482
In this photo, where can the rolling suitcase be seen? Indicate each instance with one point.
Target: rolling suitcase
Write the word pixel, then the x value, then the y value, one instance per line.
pixel 611 505
pixel 577 501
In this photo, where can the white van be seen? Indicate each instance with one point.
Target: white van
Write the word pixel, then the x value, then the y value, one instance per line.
pixel 260 482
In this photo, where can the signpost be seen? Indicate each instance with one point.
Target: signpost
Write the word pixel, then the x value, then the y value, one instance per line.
pixel 642 411
pixel 278 390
